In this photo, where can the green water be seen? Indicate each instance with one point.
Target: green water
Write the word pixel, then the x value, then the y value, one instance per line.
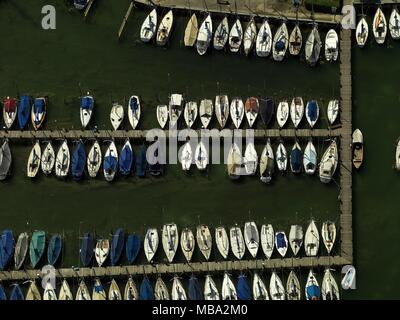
pixel 53 62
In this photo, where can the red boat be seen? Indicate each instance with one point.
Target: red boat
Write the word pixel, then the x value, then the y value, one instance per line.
pixel 9 111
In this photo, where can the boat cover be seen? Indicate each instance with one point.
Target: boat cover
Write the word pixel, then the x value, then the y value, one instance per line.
pixel 146 290
pixel 280 240
pixel 87 247
pixel 24 111
pixel 6 248
pixel 243 289
pixel 117 245
pixel 195 292
pixel 87 103
pixel 126 160
pixel 78 161
pixel 132 247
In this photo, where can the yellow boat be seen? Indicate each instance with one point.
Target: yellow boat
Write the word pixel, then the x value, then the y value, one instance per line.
pixel 191 30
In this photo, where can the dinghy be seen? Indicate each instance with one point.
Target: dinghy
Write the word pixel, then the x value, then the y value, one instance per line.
pixel 117 246
pixel 228 288
pixel 126 159
pixel 251 237
pixel 221 34
pixel 178 292
pixel 48 159
pixel 36 247
pixel 313 47
pixel 250 159
pixel 204 36
pixel 204 240
pixel 282 113
pixel 134 111
pixel 3 295
pixel 280 43
pixel 141 162
pixel 329 289
pixel 113 292
pixel 98 291
pixel 251 107
pixel 312 289
pixel 175 109
pixel 33 164
pixel 16 293
pixel 267 163
pixel 201 156
pixel 150 244
pixel 333 110
pixel 190 113
pixel 296 110
pixel 94 159
pixel 132 248
pixel 264 40
pixel 222 241
pixel 260 291
pixel 249 36
pixel 295 41
pixel 235 36
pixel 162 115
pixel 331 45
pixel 164 29
pixel 312 112
pixel 276 288
pixel 394 24
pixel 170 240
pixel 80 4
pixel 349 278
pixel 186 157
pixel 266 110
pixel 397 163
pixel 9 111
pixel 65 292
pixel 78 161
pixel 86 249
pixel 101 251
pixel 49 292
pixel 293 289
pixel 310 158
pixel 131 292
pixel 21 249
pixel 243 289
pixel 5 160
pixel 116 115
pixel 149 26
pixel 7 243
pixel 267 240
pixel 24 110
pixel 237 242
pixel 362 32
pixel 33 292
pixel 206 111
pixel 83 292
pixel 311 240
pixel 358 148
pixel 110 163
pixel 191 31
pixel 296 238
pixel 187 243
pixel 194 289
pixel 86 109
pixel 281 157
pixel 38 112
pixel 328 235
pixel 146 290
pixel 237 111
pixel 54 249
pixel 379 26
pixel 222 109
pixel 328 164
pixel 295 158
pixel 281 243
pixel 234 162
pixel 210 289
pixel 161 290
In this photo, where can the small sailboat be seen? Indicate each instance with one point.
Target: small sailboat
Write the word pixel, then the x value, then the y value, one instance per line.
pixel 178 292
pixel 333 110
pixel 251 108
pixel 126 159
pixel 328 164
pixel 101 251
pixel 161 290
pixel 264 40
pixel 83 292
pixel 210 289
pixel 313 46
pixel 204 240
pixel 110 163
pixel 86 109
pixel 228 288
pixel 187 243
pixel 86 249
pixel 54 249
pixel 63 160
pixel 149 26
pixel 134 111
pixel 164 29
pixel 329 289
pixel 296 158
pixel 331 45
pixel 10 109
pixel 38 112
pixel 16 293
pixel 328 235
pixel 175 109
pixel 201 156
pixel 237 111
pixel 21 249
pixel 237 242
pixel 267 240
pixel 310 158
pixel 162 115
pixel 5 160
pixel 117 115
pixel 117 246
pixel 98 291
pixel 78 161
pixel 186 157
pixel 260 291
pixel 312 289
pixel 94 159
pixel 150 243
pixel 146 291
pixel 65 292
pixel 222 241
pixel 113 292
pixel 281 243
pixel 362 32
pixel 296 238
pixel 221 34
pixel 7 243
pixel 249 36
pixel 243 288
pixel 312 112
pixel 132 248
pixel 267 163
pixel 250 159
pixel 36 247
pixel 276 288
pixel 379 26
pixel 282 113
pixel 204 36
pixel 311 240
pixel 358 148
pixel 49 292
pixel 234 162
pixel 266 110
pixel 24 110
pixel 394 24
pixel 190 113
pixel 296 111
pixel 131 292
pixel 222 109
pixel 235 36
pixel 293 289
pixel 48 159
pixel 280 43
pixel 33 292
pixel 251 237
pixel 281 157
pixel 206 112
pixel 170 240
pixel 295 41
pixel 33 163
pixel 191 31
pixel 194 289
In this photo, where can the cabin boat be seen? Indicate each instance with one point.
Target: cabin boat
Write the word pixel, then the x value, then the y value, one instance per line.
pixel 162 115
pixel 175 109
pixel 234 162
pixel 264 40
pixel 204 36
pixel 379 27
pixel 236 36
pixel 252 108
pixel 221 34
pixel 328 164
pixel 394 24
pixel 38 112
pixel 267 163
pixel 191 31
pixel 149 26
pixel 222 109
pixel 280 44
pixel 313 47
pixel 10 110
pixel 358 148
pixel 164 29
pixel 362 32
pixel 134 111
pixel 295 41
pixel 250 159
pixel 86 109
pixel 331 45
pixel 249 36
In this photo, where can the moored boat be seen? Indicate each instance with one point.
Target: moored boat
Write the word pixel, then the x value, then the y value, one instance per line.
pixel 243 288
pixel 311 240
pixel 150 244
pixel 110 162
pixel 170 240
pixel 281 157
pixel 83 292
pixel 235 36
pixel 228 288
pixel 264 40
pixel 141 162
pixel 293 289
pixel 221 34
pixel 333 110
pixel 7 244
pixel 10 109
pixel 117 246
pixel 190 113
pixel 282 113
pixel 49 293
pixel 33 292
pixel 161 290
pixel 131 292
pixel 237 242
pixel 237 111
pixel 94 159
pixel 186 156
pixel 296 238
pixel 328 235
pixel 281 243
pixel 16 293
pixel 310 158
pixel 78 161
pixel 48 159
pixel 175 109
pixel 21 249
pixel 191 31
pixel 267 163
pixel 24 110
pixel 132 248
pixel 312 289
pixel 252 107
pixel 260 291
pixel 134 111
pixel 331 45
pixel 149 26
pixel 162 115
pixel 313 47
pixel 312 112
pixel 86 249
pixel 146 290
pixel 234 162
pixel 33 164
pixel 266 110
pixel 63 160
pixel 204 36
pixel 204 240
pixel 251 237
pixel 358 148
pixel 65 292
pixel 194 289
pixel 126 159
pixel 362 31
pixel 379 26
pixel 98 291
pixel 394 24
pixel 36 247
pixel 187 243
pixel 280 43
pixel 222 109
pixel 5 160
pixel 38 112
pixel 267 239
pixel 206 111
pixel 276 288
pixel 249 36
pixel 116 115
pixel 222 241
pixel 178 292
pixel 296 158
pixel 250 159
pixel 296 110
pixel 54 249
pixel 86 109
pixel 210 289
pixel 328 164
pixel 101 251
pixel 164 29
pixel 295 41
pixel 113 292
pixel 329 288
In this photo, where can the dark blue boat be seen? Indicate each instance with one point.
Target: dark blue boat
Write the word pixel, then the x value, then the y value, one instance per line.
pixel 78 161
pixel 312 111
pixel 141 162
pixel 6 248
pixel 132 247
pixel 146 290
pixel 243 289
pixel 24 110
pixel 266 110
pixel 86 250
pixel 16 293
pixel 296 158
pixel 3 295
pixel 126 159
pixel 117 245
pixel 313 292
pixel 54 249
pixel 195 292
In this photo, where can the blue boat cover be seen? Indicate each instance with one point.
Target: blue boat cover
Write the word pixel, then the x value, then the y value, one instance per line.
pixel 146 290
pixel 313 292
pixel 54 249
pixel 280 45
pixel 110 163
pixel 87 103
pixel 16 293
pixel 117 245
pixel 78 161
pixel 86 250
pixel 24 111
pixel 295 159
pixel 280 240
pixel 141 162
pixel 3 295
pixel 312 110
pixel 243 289
pixel 132 247
pixel 125 160
pixel 6 248
pixel 98 288
pixel 38 108
pixel 133 104
pixel 195 292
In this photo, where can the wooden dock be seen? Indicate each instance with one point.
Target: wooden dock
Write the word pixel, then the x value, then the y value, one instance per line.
pixel 87 10
pixel 125 20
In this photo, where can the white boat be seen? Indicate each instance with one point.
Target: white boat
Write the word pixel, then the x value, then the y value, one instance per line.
pixel 186 157
pixel 33 164
pixel 65 292
pixel 98 292
pixel 110 162
pixel 10 110
pixel 94 159
pixel 235 36
pixel 237 111
pixel 191 30
pixel 190 113
pixel 234 162
pixel 379 26
pixel 282 113
pixel 249 36
pixel 295 41
pixel 178 292
pixel 149 26
pixel 310 158
pixel 134 111
pixel 222 241
pixel 281 157
pixel 130 291
pixel 313 47
pixel 33 293
pixel 201 156
pixel 276 288
pixel 221 34
pixel 175 109
pixel 101 251
pixel 250 159
pixel 331 45
pixel 293 289
pixel 252 108
pixel 204 240
pixel 328 235
pixel 206 110
pixel 113 292
pixel 312 289
pixel 333 110
pixel 204 36
pixel 116 115
pixel 394 24
pixel 161 290
pixel 150 243
pixel 228 288
pixel 83 292
pixel 297 110
pixel 329 289
pixel 349 278
pixel 164 29
pixel 281 243
pixel 86 109
pixel 237 242
pixel 267 163
pixel 397 163
pixel 49 292
pixel 210 289
pixel 187 243
pixel 296 238
pixel 362 31
pixel 222 109
pixel 280 43
pixel 48 159
pixel 328 164
pixel 63 160
pixel 267 240
pixel 260 291
pixel 251 237
pixel 170 240
pixel 311 240
pixel 312 112
pixel 264 40
pixel 162 115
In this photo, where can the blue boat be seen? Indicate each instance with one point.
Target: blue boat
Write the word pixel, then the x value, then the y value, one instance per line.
pixel 38 112
pixel 54 249
pixel 117 245
pixel 141 162
pixel 133 244
pixel 243 289
pixel 87 249
pixel 195 292
pixel 3 295
pixel 296 158
pixel 126 159
pixel 78 161
pixel 6 248
pixel 313 291
pixel 110 163
pixel 86 110
pixel 24 110
pixel 312 112
pixel 16 293
pixel 146 290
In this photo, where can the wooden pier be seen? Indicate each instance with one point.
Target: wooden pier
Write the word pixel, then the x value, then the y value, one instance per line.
pixel 125 20
pixel 87 10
